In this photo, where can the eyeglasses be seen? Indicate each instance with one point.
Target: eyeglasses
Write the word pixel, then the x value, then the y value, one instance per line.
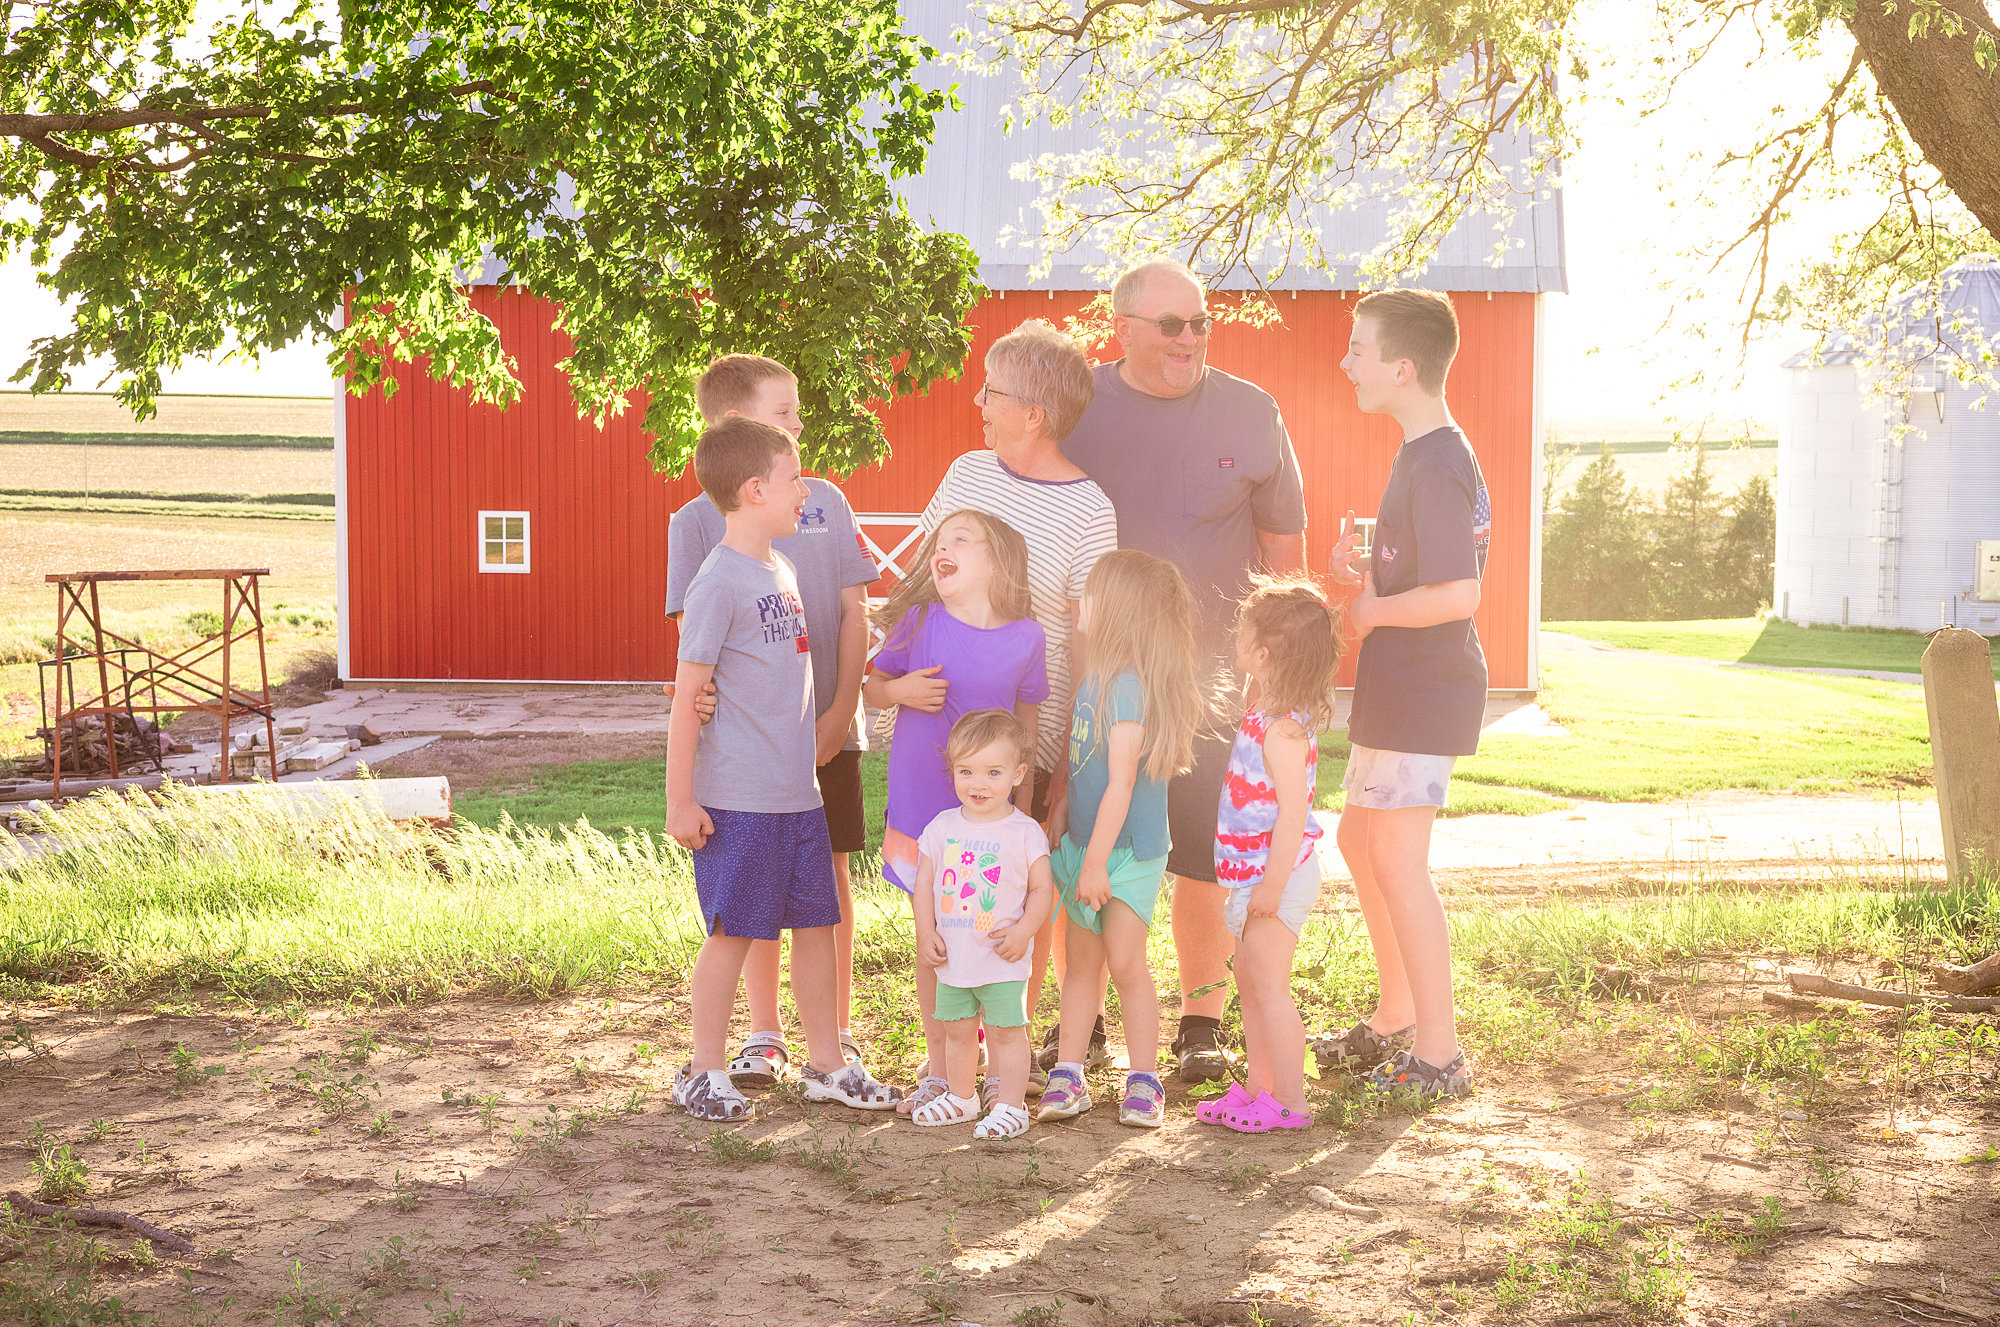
pixel 990 391
pixel 1170 326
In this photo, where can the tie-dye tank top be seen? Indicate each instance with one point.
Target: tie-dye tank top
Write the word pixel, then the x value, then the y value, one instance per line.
pixel 1249 809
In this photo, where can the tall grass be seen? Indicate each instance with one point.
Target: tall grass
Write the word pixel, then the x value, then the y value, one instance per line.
pixel 31 639
pixel 276 901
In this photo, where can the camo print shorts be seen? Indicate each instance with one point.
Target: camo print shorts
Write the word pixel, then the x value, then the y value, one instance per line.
pixel 1392 780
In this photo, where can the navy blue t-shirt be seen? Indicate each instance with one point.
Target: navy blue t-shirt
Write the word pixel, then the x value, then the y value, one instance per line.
pixel 1422 690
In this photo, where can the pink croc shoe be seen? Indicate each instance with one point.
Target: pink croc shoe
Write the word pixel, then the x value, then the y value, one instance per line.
pixel 1265 1114
pixel 1212 1112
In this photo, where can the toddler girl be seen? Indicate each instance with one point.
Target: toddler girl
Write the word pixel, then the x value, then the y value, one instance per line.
pixel 960 639
pixel 1288 645
pixel 1137 707
pixel 983 890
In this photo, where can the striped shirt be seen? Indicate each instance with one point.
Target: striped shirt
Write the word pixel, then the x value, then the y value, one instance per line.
pixel 1068 524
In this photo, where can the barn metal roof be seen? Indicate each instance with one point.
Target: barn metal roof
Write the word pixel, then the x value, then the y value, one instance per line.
pixel 1970 294
pixel 969 187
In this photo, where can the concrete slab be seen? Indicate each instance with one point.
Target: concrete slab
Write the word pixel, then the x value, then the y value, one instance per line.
pixel 1687 833
pixel 463 714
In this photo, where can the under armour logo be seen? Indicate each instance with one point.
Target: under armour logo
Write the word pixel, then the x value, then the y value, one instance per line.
pixel 812 516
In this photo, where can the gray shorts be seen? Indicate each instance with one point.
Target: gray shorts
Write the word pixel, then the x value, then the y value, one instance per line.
pixel 1294 905
pixel 1392 780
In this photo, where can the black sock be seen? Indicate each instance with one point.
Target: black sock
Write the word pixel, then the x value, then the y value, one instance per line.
pixel 1097 1029
pixel 1200 1021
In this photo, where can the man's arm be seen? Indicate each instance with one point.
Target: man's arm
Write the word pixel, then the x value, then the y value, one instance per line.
pixel 830 732
pixel 1281 554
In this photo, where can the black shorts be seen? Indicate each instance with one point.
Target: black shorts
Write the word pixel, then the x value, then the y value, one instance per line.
pixel 840 796
pixel 1038 797
pixel 1192 804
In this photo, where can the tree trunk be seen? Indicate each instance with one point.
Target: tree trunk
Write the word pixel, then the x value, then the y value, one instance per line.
pixel 1950 105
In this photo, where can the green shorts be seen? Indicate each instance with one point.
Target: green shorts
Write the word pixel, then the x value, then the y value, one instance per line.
pixel 1001 1004
pixel 1134 883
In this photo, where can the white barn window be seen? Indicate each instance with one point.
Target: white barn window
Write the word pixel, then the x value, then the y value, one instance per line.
pixel 503 541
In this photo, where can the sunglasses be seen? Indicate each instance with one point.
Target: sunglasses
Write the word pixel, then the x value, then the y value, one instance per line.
pixel 1171 325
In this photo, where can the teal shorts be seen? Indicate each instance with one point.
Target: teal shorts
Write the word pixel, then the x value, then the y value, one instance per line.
pixel 1134 883
pixel 999 1004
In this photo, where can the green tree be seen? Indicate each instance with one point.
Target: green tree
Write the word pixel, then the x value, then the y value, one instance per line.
pixel 678 175
pixel 1745 559
pixel 1229 129
pixel 1594 554
pixel 1688 531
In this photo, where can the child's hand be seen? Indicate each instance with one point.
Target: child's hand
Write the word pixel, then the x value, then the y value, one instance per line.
pixel 922 689
pixel 689 825
pixel 930 950
pixel 1341 565
pixel 1265 896
pixel 1012 943
pixel 704 703
pixel 1093 885
pixel 829 735
pixel 1361 613
pixel 1058 820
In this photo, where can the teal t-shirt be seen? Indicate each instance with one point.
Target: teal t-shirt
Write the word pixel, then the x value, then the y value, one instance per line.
pixel 1145 831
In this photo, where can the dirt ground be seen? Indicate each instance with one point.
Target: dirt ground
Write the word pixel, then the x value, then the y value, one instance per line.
pixel 521 1164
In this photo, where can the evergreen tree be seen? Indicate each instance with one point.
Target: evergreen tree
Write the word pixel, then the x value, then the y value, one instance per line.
pixel 1689 531
pixel 1749 549
pixel 1594 563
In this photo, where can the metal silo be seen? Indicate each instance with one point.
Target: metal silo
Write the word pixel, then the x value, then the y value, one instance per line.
pixel 1889 470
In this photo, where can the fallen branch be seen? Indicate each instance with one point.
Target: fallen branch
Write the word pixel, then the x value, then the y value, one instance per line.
pixel 1812 983
pixel 1981 976
pixel 1734 1161
pixel 97 1216
pixel 1797 1004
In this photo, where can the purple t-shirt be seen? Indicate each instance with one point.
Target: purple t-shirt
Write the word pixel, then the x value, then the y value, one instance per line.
pixel 987 668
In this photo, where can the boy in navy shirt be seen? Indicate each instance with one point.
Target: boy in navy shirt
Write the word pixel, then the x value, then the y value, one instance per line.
pixel 1419 689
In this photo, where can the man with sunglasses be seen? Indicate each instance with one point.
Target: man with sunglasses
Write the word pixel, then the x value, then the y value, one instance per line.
pixel 1201 472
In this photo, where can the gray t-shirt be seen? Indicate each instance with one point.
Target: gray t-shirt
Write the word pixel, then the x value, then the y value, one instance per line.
pixel 827 556
pixel 745 617
pixel 1193 480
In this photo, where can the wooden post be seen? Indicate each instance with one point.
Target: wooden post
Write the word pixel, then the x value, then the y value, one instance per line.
pixel 1965 748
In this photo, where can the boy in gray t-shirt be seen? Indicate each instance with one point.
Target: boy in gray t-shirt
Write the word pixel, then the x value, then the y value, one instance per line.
pixel 740 791
pixel 834 573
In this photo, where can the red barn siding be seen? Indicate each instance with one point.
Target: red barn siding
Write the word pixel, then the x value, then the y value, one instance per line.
pixel 422 464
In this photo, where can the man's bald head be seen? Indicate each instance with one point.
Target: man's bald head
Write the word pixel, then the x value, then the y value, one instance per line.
pixel 1143 283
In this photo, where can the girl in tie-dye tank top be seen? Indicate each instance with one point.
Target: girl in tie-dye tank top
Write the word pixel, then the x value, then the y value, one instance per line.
pixel 1288 644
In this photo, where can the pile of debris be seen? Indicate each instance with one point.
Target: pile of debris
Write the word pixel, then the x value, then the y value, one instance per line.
pixel 141 745
pixel 250 756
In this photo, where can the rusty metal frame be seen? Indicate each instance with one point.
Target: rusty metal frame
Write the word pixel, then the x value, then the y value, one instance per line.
pixel 181 676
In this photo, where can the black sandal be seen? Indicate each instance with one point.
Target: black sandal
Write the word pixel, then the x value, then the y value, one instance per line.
pixel 1403 1074
pixel 1360 1047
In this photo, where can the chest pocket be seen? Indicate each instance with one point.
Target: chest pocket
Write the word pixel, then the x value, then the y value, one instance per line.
pixel 1215 483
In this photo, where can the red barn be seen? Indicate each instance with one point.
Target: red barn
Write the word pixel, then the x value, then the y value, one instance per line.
pixel 476 545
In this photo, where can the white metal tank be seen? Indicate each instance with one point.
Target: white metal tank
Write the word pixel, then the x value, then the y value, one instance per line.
pixel 1888 476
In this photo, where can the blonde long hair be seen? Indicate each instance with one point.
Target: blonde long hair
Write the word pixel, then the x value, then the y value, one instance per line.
pixel 1142 619
pixel 1008 593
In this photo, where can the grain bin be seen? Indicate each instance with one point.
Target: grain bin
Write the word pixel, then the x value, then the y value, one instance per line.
pixel 1889 466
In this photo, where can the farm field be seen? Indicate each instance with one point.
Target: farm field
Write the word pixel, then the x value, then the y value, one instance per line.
pixel 1769 641
pixel 424 1080
pixel 99 412
pixel 67 468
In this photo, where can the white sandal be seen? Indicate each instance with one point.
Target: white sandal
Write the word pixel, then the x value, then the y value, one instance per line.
pixel 1002 1122
pixel 924 1093
pixel 947 1109
pixel 850 1085
pixel 760 1062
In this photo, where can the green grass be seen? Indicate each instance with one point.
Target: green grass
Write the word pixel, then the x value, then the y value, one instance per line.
pixel 1643 729
pixel 29 438
pixel 280 499
pixel 1765 641
pixel 276 507
pixel 224 895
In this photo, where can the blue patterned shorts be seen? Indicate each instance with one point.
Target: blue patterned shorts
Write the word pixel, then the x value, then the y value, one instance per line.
pixel 1392 780
pixel 763 873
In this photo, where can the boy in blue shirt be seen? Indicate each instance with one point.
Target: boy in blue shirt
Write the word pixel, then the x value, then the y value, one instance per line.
pixel 741 791
pixel 1419 689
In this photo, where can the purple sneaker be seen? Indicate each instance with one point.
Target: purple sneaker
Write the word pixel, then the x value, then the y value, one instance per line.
pixel 1065 1097
pixel 1145 1103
